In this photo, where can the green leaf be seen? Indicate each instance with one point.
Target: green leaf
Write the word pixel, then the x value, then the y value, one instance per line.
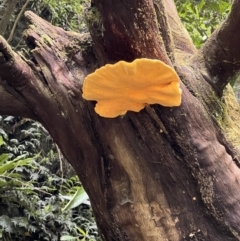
pixel 3 183
pixel 201 17
pixel 78 198
pixel 15 175
pixel 81 231
pixel 7 167
pixel 68 238
pixel 1 140
pixel 3 158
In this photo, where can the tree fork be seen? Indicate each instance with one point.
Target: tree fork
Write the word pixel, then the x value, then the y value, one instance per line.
pixel 219 56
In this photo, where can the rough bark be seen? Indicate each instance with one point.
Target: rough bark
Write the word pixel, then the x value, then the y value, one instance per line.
pixel 160 174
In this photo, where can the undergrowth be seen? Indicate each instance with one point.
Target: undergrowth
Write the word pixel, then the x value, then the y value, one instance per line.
pixel 38 200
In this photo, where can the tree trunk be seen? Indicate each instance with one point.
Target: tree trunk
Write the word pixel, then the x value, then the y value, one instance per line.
pixel 162 173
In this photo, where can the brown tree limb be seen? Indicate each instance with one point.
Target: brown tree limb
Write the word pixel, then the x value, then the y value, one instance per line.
pixel 136 20
pixel 62 60
pixel 52 92
pixel 173 32
pixel 182 40
pixel 219 58
pixel 12 103
pixel 167 31
pixel 17 74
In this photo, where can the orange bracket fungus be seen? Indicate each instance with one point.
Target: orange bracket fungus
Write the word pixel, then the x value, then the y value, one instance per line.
pixel 124 86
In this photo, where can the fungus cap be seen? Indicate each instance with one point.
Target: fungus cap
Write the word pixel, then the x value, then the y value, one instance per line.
pixel 124 86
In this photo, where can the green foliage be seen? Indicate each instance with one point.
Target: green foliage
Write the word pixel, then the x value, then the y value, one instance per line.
pixel 202 17
pixel 23 136
pixel 37 201
pixel 66 14
pixel 78 198
pixel 31 205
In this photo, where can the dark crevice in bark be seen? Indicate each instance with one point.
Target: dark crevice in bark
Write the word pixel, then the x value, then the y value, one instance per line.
pixel 164 28
pixel 95 27
pixel 30 42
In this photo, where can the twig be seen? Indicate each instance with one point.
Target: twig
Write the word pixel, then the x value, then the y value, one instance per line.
pixel 17 20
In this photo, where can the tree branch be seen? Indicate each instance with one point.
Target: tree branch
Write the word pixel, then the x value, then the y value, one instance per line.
pixel 25 80
pixel 12 103
pixel 182 42
pixel 50 84
pixel 15 76
pixel 141 37
pixel 28 82
pixel 220 56
pixel 156 31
